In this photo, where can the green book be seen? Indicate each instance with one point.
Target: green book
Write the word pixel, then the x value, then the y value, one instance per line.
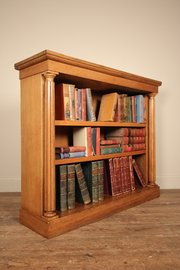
pixel 61 188
pixel 71 186
pixel 90 170
pixel 111 149
pixel 101 179
pixel 81 190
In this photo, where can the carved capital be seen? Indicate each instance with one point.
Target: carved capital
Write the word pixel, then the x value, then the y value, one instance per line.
pixel 49 75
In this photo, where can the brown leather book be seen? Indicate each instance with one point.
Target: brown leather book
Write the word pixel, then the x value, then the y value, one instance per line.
pixel 108 107
pixel 64 106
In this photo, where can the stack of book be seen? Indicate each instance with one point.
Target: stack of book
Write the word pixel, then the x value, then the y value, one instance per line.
pixel 73 103
pixel 70 152
pixel 129 139
pixel 82 183
pixel 121 174
pixel 110 147
pixel 123 108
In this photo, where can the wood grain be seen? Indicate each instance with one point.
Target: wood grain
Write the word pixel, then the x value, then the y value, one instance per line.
pixel 144 237
pixel 32 143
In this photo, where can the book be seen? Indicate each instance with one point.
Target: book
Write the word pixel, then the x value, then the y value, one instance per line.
pixel 82 137
pixel 90 170
pixel 83 104
pixel 107 182
pixel 64 101
pixel 61 188
pixel 95 133
pixel 77 154
pixel 100 164
pixel 117 132
pixel 82 193
pixel 139 108
pixel 116 140
pixel 110 149
pixel 89 106
pixel 132 181
pixel 139 173
pixel 138 132
pixel 70 186
pixel 107 107
pixel 119 113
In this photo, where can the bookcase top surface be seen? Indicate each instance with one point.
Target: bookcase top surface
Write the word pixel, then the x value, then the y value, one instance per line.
pixel 61 58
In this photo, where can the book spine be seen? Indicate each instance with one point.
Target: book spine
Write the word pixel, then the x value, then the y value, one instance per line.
pixel 80 103
pixel 110 150
pixel 137 139
pixel 120 132
pixel 63 187
pixel 98 137
pixel 82 184
pixel 89 108
pixel 77 149
pixel 100 164
pixel 93 139
pixel 63 155
pixel 111 172
pixel 89 148
pixel 131 173
pixel 116 179
pixel 76 108
pixel 115 140
pixel 139 173
pixel 118 110
pixel 139 109
pixel 71 102
pixel 71 186
pixel 83 104
pixel 77 154
pixel 95 186
pixel 121 175
pixel 66 102
pixel 133 109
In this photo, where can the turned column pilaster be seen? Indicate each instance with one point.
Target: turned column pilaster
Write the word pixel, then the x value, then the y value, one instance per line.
pixel 152 141
pixel 49 145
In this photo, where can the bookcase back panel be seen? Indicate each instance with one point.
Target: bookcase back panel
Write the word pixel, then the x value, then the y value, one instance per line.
pixel 63 136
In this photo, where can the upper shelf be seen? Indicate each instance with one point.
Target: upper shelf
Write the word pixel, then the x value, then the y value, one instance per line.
pixel 70 66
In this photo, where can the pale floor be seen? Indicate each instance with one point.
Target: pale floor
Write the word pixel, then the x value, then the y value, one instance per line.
pixel 146 237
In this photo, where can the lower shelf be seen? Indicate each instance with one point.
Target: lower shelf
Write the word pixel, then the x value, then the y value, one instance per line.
pixel 60 224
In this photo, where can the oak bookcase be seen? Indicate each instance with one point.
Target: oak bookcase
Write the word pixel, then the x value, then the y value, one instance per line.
pixel 40 134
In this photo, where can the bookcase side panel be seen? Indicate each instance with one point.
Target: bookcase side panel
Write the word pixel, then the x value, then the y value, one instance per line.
pixel 32 144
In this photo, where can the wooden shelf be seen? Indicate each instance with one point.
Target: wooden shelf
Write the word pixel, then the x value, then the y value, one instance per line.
pixel 97 157
pixel 96 124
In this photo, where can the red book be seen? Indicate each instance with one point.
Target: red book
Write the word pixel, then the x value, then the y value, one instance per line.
pixel 131 172
pixel 83 104
pixel 98 135
pixel 139 173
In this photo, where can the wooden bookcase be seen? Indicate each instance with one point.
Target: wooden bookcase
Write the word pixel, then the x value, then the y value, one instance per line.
pixel 41 132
